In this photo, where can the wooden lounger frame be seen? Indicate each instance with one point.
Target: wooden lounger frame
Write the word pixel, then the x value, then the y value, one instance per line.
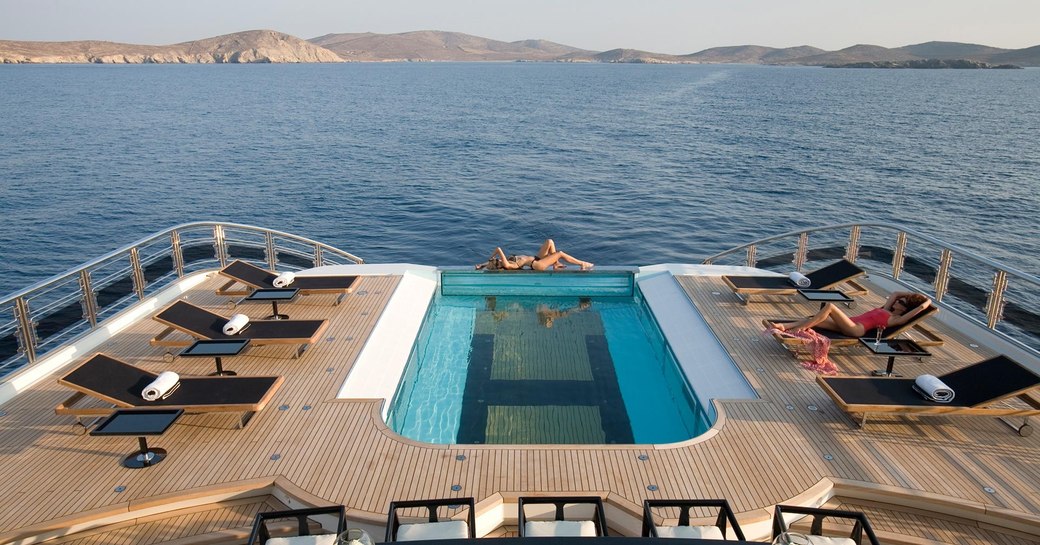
pixel 922 334
pixel 68 406
pixel 239 286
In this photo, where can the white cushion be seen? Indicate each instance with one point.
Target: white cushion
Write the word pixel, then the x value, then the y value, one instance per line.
pixel 690 532
pixel 320 539
pixel 449 529
pixel 825 540
pixel 560 528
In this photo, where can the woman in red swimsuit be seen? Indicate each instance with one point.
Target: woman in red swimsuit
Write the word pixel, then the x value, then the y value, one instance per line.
pixel 900 307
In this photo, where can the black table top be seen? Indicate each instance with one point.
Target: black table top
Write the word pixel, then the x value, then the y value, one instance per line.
pixel 215 347
pixel 272 294
pixel 138 422
pixel 895 347
pixel 825 295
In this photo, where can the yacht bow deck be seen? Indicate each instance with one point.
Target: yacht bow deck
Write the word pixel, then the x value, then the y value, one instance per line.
pixel 791 445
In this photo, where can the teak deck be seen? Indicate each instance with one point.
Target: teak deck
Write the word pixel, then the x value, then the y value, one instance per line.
pixel 762 452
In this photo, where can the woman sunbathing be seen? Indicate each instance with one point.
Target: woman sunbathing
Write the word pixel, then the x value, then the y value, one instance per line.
pixel 547 257
pixel 899 309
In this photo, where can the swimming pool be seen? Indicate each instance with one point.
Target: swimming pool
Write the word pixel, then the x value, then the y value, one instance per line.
pixel 545 369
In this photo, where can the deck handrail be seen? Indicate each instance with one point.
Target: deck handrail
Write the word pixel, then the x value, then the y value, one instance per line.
pixel 995 295
pixel 111 282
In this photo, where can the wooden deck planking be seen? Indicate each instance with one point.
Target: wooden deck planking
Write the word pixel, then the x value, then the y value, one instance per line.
pixel 763 453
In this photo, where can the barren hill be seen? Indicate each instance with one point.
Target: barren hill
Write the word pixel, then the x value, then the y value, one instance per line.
pixel 856 53
pixel 432 45
pixel 241 47
pixel 751 54
pixel 951 50
pixel 633 56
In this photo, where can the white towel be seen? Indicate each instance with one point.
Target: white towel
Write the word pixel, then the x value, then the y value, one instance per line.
pixel 162 386
pixel 799 279
pixel 284 279
pixel 237 323
pixel 933 389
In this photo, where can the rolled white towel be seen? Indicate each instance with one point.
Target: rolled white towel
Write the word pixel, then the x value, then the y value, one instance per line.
pixel 236 324
pixel 284 279
pixel 799 279
pixel 162 386
pixel 933 389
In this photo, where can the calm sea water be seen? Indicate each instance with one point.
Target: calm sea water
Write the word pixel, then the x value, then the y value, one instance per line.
pixel 438 163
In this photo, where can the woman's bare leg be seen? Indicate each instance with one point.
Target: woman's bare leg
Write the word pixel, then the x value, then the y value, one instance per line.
pixel 829 317
pixel 552 259
pixel 548 247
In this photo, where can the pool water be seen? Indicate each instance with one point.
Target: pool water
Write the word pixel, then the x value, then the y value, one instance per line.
pixel 543 370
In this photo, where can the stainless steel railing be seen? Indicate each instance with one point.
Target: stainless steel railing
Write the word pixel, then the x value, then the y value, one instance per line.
pixel 984 291
pixel 50 313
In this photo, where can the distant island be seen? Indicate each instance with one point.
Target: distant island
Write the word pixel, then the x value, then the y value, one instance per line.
pixel 269 46
pixel 958 64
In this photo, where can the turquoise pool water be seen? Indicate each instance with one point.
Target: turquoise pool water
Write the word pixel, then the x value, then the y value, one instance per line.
pixel 543 370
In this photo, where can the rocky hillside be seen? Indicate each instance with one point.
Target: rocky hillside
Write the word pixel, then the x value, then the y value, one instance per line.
pixel 254 46
pixel 432 45
pixel 751 54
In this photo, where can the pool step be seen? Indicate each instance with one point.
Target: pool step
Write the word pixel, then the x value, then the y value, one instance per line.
pixel 559 283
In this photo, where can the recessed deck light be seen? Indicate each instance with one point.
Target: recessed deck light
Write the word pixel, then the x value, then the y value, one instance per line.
pixel 456 487
pixel 652 487
pixel 642 457
pixel 283 408
pixel 813 408
pixel 460 458
pixel 119 489
pixel 275 457
pixel 989 490
pixel 828 457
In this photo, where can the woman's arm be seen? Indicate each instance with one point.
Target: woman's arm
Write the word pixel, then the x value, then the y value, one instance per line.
pixel 506 262
pixel 910 314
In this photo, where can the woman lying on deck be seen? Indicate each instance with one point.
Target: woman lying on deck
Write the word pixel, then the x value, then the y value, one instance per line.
pixel 548 257
pixel 900 307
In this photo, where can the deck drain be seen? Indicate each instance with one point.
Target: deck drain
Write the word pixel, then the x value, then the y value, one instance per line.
pixel 460 458
pixel 813 408
pixel 350 339
pixel 456 487
pixel 306 407
pixel 643 457
pixel 716 293
pixel 828 457
pixel 330 339
pixel 365 313
pixel 789 407
pixel 652 487
pixel 275 457
pixel 989 490
pixel 973 345
pixel 363 292
pixel 760 369
pixel 330 369
pixel 283 408
pixel 119 489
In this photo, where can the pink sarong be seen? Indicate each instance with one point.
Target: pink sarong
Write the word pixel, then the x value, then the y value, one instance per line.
pixel 818 344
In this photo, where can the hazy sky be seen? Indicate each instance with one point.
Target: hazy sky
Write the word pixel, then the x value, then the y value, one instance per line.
pixel 664 26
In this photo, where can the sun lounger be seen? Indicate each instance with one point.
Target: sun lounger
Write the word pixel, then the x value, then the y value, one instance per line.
pixel 978 388
pixel 829 277
pixel 253 278
pixel 113 381
pixel 199 323
pixel 923 336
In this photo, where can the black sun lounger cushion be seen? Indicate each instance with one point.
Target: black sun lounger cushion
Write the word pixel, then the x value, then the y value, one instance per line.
pixel 120 383
pixel 256 277
pixel 204 324
pixel 823 278
pixel 837 339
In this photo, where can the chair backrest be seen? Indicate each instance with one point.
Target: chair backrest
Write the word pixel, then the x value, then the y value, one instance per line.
pixel 393 520
pixel 725 516
pixel 261 533
pixel 860 529
pixel 893 331
pixel 833 274
pixel 249 274
pixel 109 379
pixel 989 381
pixel 559 503
pixel 192 319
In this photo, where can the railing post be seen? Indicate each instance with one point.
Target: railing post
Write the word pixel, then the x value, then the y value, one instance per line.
pixel 88 300
pixel 177 253
pixel 899 255
pixel 751 259
pixel 803 251
pixel 942 278
pixel 137 272
pixel 26 329
pixel 318 259
pixel 270 252
pixel 220 245
pixel 995 303
pixel 852 250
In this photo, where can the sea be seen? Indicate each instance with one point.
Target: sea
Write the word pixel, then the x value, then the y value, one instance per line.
pixel 439 163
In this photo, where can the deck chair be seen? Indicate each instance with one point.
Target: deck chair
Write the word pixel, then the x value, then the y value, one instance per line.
pixel 252 278
pixel 829 277
pixel 430 527
pixel 860 533
pixel 721 525
pixel 977 387
pixel 923 335
pixel 199 323
pixel 270 528
pixel 113 381
pixel 586 524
